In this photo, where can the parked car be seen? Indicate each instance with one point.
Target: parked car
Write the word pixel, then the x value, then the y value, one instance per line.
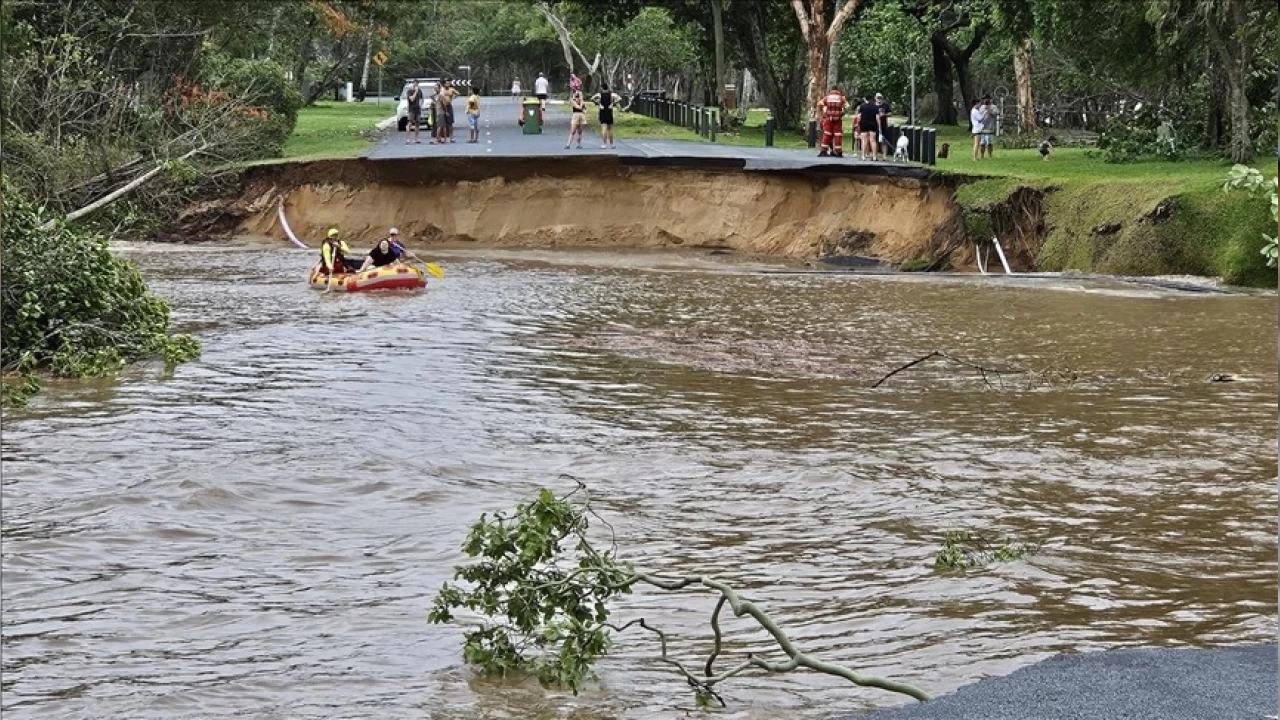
pixel 428 88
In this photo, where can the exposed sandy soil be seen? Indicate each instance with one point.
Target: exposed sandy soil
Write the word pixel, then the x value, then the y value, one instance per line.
pixel 600 203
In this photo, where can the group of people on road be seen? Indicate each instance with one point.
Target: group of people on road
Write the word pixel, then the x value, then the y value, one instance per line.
pixel 578 114
pixel 870 125
pixel 440 105
pixel 334 252
pixel 605 101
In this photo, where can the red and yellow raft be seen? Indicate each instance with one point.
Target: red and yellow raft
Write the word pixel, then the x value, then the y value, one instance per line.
pixel 389 277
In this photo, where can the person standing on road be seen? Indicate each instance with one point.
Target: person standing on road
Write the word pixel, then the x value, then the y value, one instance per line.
pixel 887 137
pixel 449 94
pixel 606 117
pixel 542 90
pixel 868 121
pixel 577 117
pixel 473 116
pixel 437 112
pixel 515 88
pixel 832 109
pixel 414 98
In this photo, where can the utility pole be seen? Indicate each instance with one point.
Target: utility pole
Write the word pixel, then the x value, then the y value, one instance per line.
pixel 913 90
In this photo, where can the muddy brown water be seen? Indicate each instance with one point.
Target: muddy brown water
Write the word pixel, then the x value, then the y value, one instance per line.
pixel 260 533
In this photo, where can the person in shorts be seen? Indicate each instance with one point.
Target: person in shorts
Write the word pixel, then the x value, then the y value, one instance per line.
pixel 868 122
pixel 542 90
pixel 414 99
pixel 888 138
pixel 473 116
pixel 988 143
pixel 607 99
pixel 450 93
pixel 577 118
pixel 977 119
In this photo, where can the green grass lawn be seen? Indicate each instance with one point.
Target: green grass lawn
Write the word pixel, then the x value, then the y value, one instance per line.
pixel 336 130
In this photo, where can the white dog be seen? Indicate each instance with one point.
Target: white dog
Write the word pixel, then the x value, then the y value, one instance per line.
pixel 900 153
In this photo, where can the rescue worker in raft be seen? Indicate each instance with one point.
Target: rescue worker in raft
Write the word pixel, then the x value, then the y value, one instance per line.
pixel 333 254
pixel 832 111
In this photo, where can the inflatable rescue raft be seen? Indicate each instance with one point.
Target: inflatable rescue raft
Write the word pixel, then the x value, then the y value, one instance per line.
pixel 389 277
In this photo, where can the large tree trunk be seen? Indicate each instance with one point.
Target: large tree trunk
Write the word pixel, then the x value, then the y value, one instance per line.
pixel 717 34
pixel 1022 77
pixel 943 84
pixel 1235 53
pixel 368 55
pixel 819 38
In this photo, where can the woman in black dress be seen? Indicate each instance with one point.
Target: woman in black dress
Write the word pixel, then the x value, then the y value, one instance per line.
pixel 868 120
pixel 606 118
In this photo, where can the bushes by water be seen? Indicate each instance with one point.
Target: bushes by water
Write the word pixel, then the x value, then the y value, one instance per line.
pixel 71 308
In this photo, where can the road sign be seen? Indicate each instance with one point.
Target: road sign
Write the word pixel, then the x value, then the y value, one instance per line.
pixel 380 59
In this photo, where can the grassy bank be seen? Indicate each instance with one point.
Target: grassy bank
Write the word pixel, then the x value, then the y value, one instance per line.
pixel 336 130
pixel 1145 218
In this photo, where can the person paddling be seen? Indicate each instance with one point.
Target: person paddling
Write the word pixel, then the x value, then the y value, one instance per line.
pixel 333 253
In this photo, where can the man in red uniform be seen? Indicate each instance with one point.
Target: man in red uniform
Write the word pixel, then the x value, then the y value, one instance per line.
pixel 832 109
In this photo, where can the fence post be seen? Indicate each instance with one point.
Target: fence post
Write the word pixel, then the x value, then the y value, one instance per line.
pixel 715 123
pixel 768 131
pixel 811 137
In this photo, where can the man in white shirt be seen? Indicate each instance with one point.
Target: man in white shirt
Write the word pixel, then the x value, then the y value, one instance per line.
pixel 542 88
pixel 977 118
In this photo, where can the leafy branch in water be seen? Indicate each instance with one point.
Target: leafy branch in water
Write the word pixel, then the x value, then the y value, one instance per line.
pixel 70 307
pixel 541 590
pixel 965 549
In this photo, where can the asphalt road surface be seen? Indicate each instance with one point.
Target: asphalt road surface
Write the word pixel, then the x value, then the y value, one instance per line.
pixel 1237 683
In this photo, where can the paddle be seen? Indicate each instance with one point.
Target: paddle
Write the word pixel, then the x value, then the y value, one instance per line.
pixel 435 270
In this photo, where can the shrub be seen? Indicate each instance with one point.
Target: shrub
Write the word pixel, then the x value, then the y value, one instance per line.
pixel 1130 136
pixel 272 101
pixel 71 307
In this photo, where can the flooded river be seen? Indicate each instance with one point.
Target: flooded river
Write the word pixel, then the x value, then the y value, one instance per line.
pixel 260 533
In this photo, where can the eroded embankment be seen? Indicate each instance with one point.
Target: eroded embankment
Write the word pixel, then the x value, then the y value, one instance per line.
pixel 597 202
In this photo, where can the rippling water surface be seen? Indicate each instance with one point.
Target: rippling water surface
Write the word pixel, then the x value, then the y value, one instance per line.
pixel 260 533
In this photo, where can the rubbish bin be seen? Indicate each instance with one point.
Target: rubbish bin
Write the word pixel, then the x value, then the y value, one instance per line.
pixel 532 116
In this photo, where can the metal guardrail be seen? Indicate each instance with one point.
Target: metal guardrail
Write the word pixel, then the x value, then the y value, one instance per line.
pixel 701 119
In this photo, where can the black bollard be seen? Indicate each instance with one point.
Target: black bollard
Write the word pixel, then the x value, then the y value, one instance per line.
pixel 768 132
pixel 930 146
pixel 812 137
pixel 715 123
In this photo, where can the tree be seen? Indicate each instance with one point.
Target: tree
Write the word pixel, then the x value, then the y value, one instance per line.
pixel 1017 19
pixel 542 591
pixel 942 19
pixel 819 38
pixel 1234 29
pixel 768 42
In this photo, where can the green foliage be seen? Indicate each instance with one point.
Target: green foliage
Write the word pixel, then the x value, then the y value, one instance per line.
pixel 262 85
pixel 542 590
pixel 1131 136
pixel 965 549
pixel 71 307
pixel 1251 181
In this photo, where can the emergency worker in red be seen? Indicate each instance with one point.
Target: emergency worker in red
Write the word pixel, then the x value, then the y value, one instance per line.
pixel 832 109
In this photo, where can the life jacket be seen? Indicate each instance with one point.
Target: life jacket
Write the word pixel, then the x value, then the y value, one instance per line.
pixel 332 254
pixel 833 104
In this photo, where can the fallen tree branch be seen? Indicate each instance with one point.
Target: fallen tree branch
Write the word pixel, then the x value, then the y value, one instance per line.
pixel 939 354
pixel 117 194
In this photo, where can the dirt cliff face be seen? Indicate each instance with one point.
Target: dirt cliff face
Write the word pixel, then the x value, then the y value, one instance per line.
pixel 599 203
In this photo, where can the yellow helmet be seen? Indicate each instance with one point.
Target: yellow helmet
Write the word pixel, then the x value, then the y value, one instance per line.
pixel 333 232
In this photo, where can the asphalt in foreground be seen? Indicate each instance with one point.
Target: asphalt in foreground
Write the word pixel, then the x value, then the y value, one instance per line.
pixel 1236 683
